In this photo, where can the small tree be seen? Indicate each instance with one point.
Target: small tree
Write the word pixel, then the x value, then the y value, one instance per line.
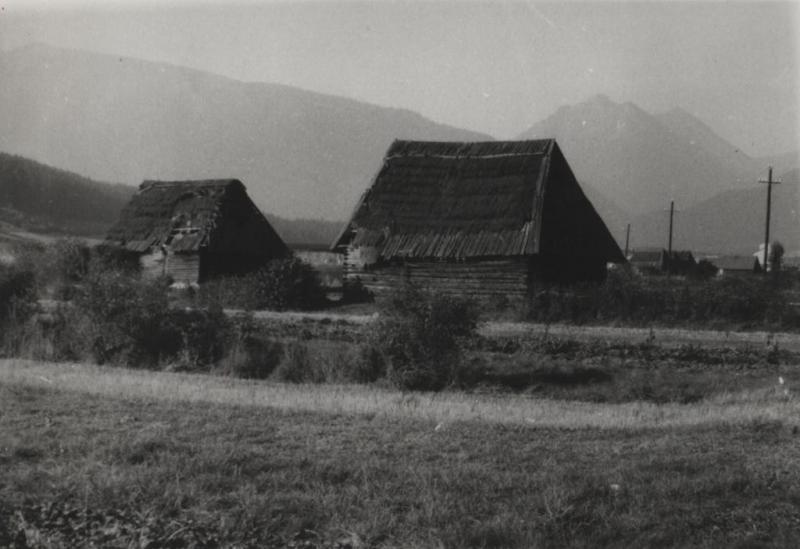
pixel 288 284
pixel 420 337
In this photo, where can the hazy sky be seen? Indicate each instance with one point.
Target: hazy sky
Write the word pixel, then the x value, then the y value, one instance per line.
pixel 493 67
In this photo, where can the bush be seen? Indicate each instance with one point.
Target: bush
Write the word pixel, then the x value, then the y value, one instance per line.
pixel 250 354
pixel 288 284
pixel 419 337
pixel 236 292
pixel 17 294
pixel 135 326
pixel 296 366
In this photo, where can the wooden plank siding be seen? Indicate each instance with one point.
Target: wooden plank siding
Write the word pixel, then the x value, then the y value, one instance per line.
pixel 182 268
pixel 482 280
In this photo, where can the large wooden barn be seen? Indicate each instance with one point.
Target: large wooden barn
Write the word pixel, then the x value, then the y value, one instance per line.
pixel 196 230
pixel 480 219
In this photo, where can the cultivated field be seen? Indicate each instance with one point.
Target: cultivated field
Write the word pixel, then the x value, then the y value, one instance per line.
pixel 111 457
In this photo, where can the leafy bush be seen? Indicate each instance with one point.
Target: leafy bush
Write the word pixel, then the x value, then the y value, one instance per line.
pixel 234 292
pixel 296 366
pixel 419 337
pixel 325 361
pixel 288 284
pixel 17 294
pixel 71 259
pixel 105 258
pixel 251 354
pixel 136 327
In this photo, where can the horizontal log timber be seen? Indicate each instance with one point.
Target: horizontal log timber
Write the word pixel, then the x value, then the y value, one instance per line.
pixel 478 279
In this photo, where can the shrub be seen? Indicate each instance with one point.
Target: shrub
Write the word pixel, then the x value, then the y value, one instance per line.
pixel 71 259
pixel 354 291
pixel 17 294
pixel 250 354
pixel 135 326
pixel 105 258
pixel 235 292
pixel 296 366
pixel 419 337
pixel 288 284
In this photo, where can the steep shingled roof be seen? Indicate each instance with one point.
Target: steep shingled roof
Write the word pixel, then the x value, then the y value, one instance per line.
pixel 455 200
pixel 184 215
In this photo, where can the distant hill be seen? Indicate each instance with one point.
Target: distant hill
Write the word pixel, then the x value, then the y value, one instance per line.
pixel 731 222
pixel 641 161
pixel 40 198
pixel 300 154
pixel 306 231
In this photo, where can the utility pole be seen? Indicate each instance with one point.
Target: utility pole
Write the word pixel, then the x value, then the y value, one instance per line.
pixel 627 239
pixel 769 182
pixel 671 214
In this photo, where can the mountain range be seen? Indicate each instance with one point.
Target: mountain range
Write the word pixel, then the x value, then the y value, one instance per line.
pixel 309 155
pixel 300 153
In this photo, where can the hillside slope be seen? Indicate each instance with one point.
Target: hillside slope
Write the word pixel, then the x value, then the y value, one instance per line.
pixel 45 199
pixel 301 154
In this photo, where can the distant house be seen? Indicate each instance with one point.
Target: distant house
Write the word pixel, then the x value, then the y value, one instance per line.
pixel 328 264
pixel 478 219
pixel 660 261
pixel 193 231
pixel 736 265
pixel 649 260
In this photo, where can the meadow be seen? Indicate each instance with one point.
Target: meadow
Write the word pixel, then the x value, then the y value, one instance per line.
pixel 135 415
pixel 112 457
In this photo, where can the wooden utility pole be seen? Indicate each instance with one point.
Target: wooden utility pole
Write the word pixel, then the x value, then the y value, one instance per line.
pixel 671 214
pixel 769 182
pixel 627 239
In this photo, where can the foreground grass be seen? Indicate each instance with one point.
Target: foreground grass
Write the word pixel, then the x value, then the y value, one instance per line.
pixel 126 462
pixel 768 403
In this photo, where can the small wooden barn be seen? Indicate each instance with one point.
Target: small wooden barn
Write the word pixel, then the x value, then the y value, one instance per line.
pixel 193 231
pixel 480 219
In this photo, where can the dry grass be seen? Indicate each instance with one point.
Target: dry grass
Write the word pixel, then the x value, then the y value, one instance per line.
pixel 177 469
pixel 775 403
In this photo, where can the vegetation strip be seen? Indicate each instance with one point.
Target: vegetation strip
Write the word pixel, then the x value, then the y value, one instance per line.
pixel 772 404
pixel 632 334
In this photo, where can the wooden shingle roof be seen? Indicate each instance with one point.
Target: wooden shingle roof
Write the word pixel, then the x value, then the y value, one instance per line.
pixel 433 199
pixel 186 216
pixel 463 200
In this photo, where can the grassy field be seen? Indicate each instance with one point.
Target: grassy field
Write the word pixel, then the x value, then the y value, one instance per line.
pixel 119 458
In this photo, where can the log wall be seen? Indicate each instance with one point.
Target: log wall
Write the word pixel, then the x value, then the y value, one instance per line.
pixel 483 280
pixel 183 268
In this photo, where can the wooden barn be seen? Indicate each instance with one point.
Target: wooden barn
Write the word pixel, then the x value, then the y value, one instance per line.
pixel 193 231
pixel 480 219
